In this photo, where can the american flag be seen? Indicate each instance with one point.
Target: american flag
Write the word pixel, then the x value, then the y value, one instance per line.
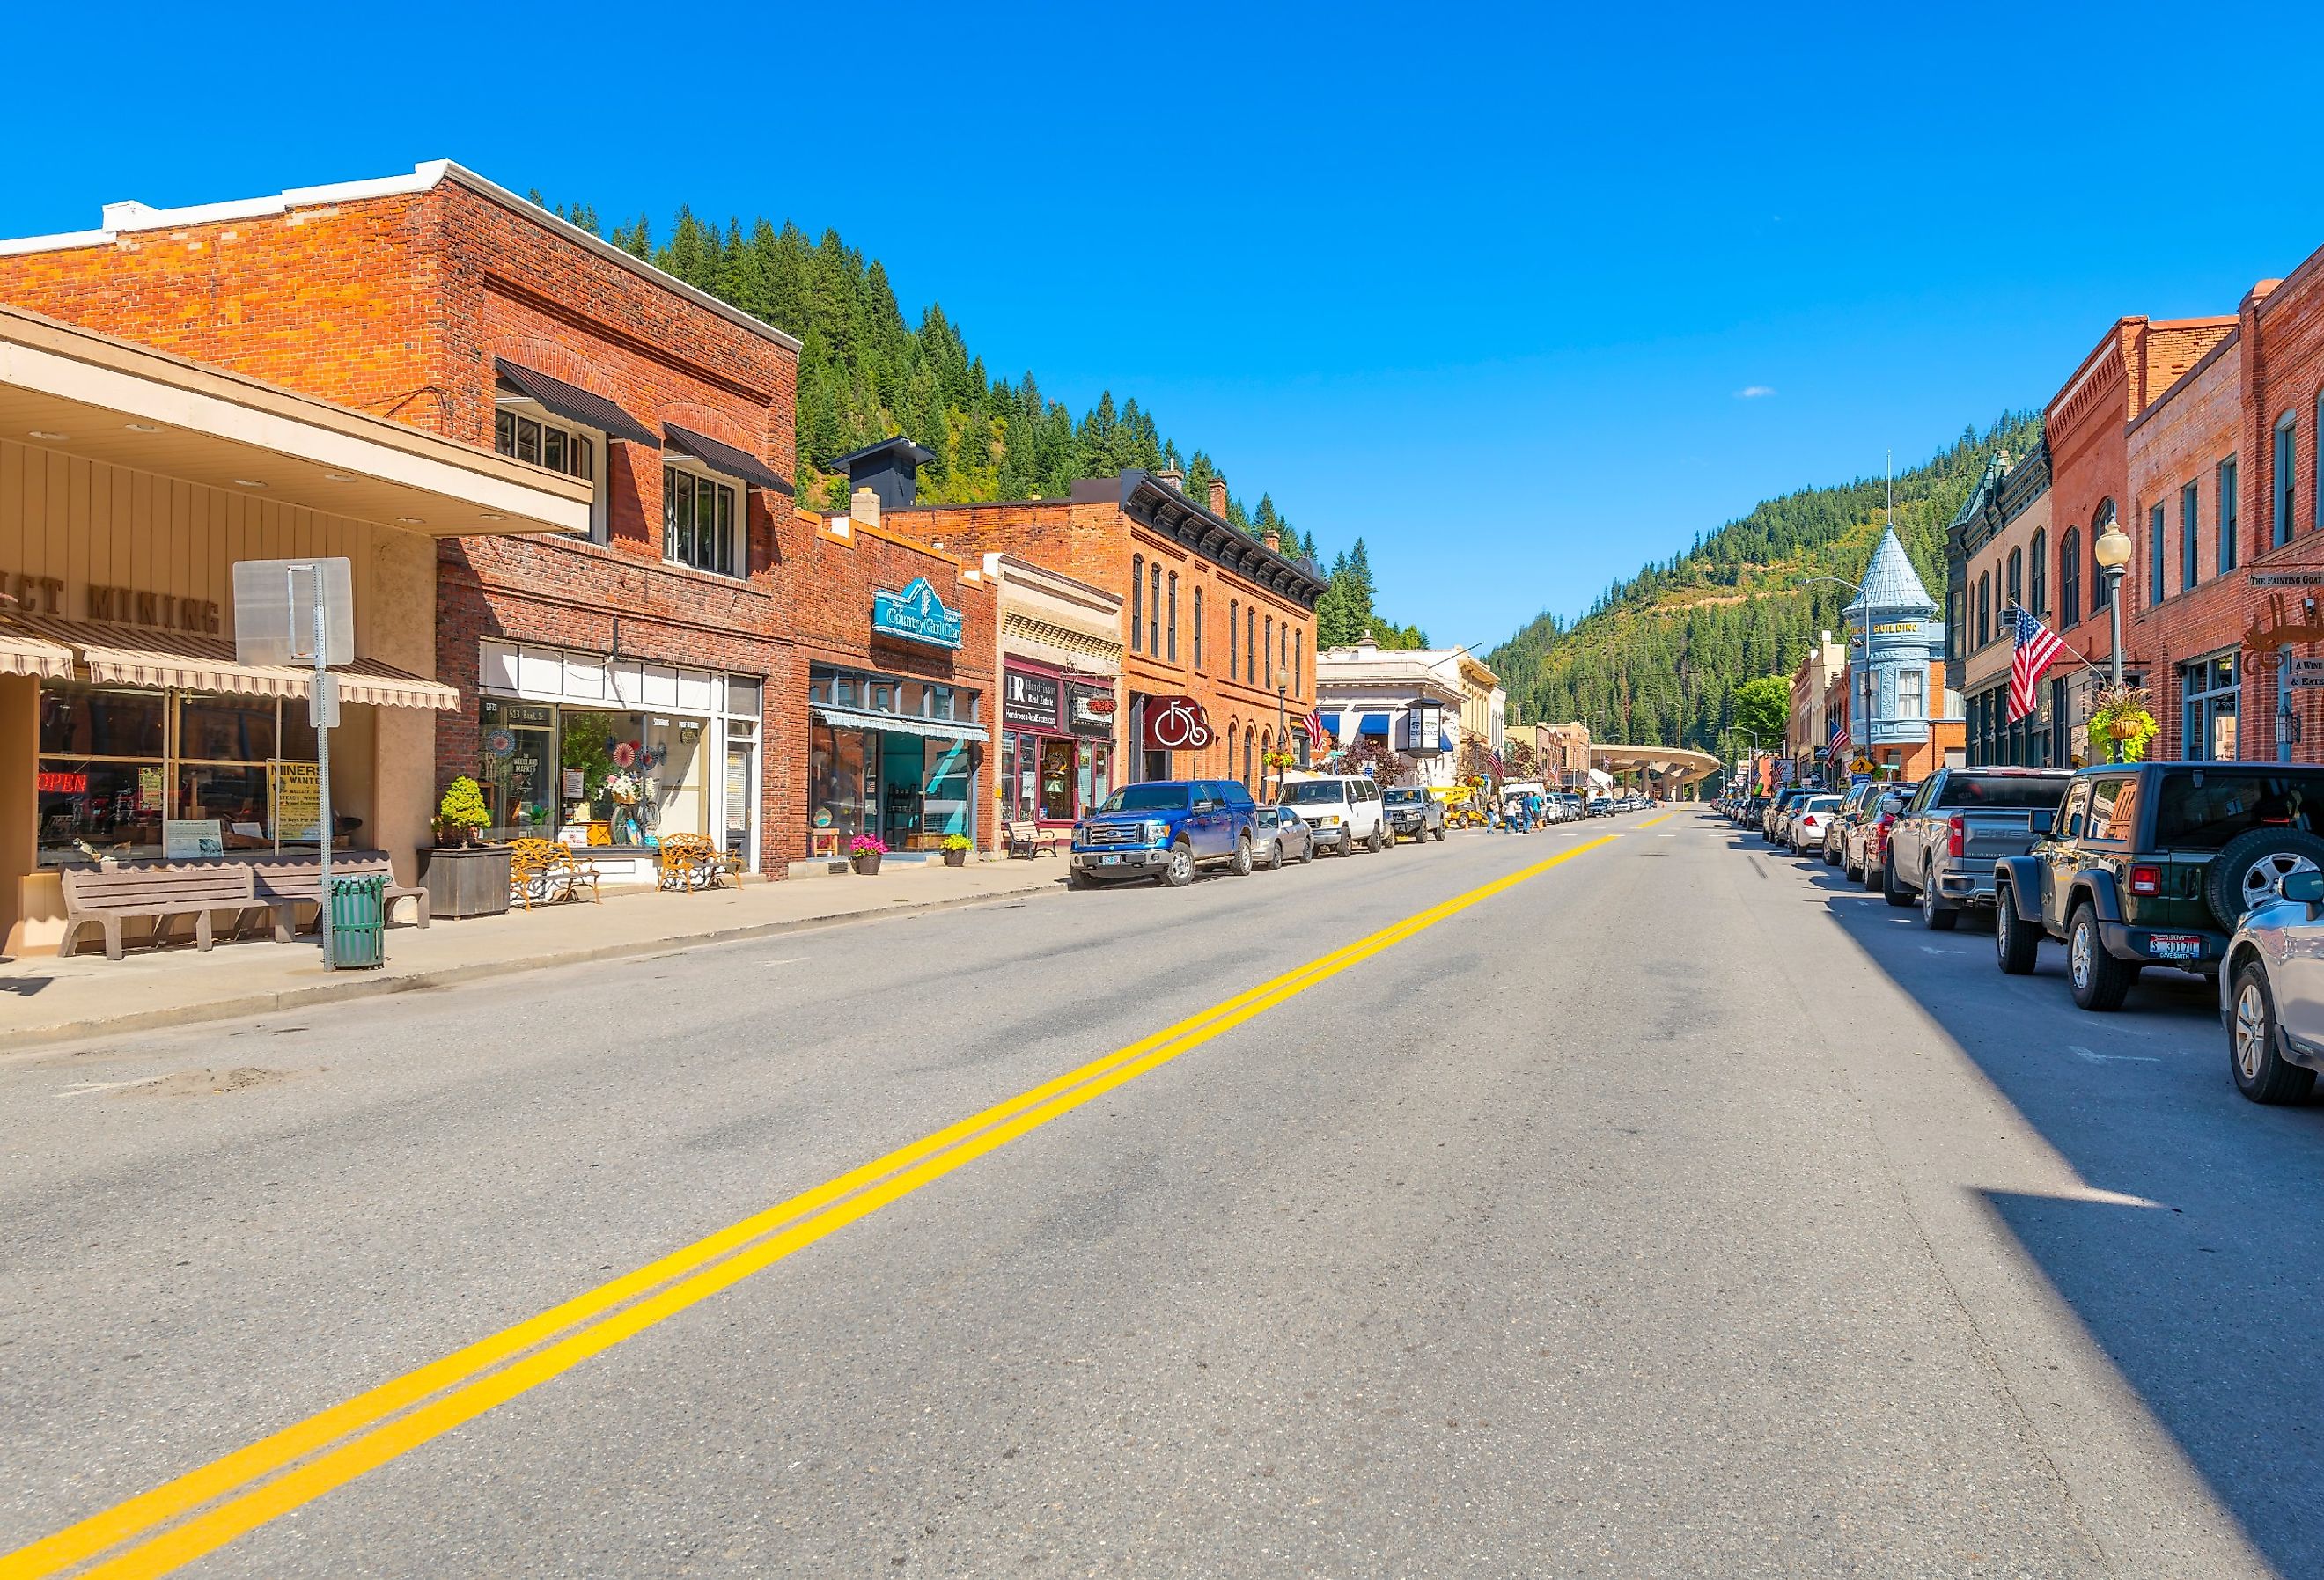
pixel 1838 734
pixel 2037 645
pixel 1315 726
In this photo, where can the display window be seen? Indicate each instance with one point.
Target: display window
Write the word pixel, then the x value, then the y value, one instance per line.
pixel 114 763
pixel 1054 779
pixel 593 776
pixel 909 786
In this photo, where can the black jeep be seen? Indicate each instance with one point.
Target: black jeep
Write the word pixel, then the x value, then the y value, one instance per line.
pixel 2153 863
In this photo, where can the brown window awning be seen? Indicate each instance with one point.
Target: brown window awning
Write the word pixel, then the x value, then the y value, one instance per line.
pixel 127 655
pixel 724 457
pixel 573 403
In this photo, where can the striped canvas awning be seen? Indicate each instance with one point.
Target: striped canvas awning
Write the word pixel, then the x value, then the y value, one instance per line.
pixel 22 653
pixel 123 655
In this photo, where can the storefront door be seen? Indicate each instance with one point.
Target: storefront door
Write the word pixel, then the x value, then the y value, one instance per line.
pixel 741 781
pixel 900 770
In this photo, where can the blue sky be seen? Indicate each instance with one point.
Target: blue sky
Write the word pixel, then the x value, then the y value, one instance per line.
pixel 1483 287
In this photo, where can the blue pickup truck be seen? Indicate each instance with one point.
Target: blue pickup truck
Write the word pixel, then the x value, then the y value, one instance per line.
pixel 1165 829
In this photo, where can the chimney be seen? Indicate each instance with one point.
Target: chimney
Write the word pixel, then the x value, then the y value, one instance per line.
pixel 1172 478
pixel 863 506
pixel 1218 497
pixel 890 469
pixel 1272 539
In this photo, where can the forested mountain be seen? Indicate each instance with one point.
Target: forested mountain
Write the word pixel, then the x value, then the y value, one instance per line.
pixel 1656 657
pixel 865 373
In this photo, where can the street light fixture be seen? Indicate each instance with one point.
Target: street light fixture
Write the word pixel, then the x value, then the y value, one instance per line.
pixel 2112 551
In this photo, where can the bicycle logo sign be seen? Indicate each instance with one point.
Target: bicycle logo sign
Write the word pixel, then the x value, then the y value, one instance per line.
pixel 1175 724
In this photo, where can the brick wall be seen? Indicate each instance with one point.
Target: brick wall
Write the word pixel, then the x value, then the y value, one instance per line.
pixel 2180 440
pixel 1097 544
pixel 828 577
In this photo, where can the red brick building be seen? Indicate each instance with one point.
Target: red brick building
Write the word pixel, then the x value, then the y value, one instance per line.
pixel 1208 613
pixel 2090 484
pixel 653 676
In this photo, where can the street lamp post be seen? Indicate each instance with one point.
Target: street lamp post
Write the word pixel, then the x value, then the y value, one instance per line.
pixel 1282 726
pixel 2111 550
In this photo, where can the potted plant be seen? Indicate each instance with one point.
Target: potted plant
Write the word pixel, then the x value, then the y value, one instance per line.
pixel 465 877
pixel 956 847
pixel 2122 715
pixel 863 854
pixel 461 815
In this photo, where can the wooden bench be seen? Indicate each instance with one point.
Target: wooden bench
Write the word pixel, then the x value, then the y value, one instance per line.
pixel 287 884
pixel 105 896
pixel 1029 840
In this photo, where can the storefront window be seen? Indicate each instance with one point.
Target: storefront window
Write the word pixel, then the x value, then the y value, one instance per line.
pixel 112 769
pixel 519 774
pixel 1058 776
pixel 838 789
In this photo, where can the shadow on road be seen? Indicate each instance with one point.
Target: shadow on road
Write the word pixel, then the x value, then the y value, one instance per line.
pixel 2203 1302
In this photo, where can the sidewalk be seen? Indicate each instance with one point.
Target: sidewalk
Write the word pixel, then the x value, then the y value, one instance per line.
pixel 46 999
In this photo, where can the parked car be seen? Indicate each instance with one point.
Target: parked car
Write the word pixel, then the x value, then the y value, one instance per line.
pixel 2155 863
pixel 1413 813
pixel 2270 995
pixel 1165 829
pixel 1865 850
pixel 1943 848
pixel 1807 826
pixel 1281 835
pixel 1602 806
pixel 1854 807
pixel 1777 822
pixel 1343 811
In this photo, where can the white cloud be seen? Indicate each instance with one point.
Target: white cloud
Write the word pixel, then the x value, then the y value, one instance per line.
pixel 1755 391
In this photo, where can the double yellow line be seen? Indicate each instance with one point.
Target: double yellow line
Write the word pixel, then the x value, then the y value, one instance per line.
pixel 204 1509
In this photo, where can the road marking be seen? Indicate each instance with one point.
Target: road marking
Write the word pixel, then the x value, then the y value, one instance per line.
pixel 2077 1049
pixel 171 1525
pixel 1650 822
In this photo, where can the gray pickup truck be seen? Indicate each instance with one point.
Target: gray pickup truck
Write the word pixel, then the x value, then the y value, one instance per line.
pixel 1942 848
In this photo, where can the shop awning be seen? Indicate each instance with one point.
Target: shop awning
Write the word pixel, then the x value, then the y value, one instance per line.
pixel 724 457
pixel 123 655
pixel 935 729
pixel 1371 724
pixel 573 403
pixel 22 653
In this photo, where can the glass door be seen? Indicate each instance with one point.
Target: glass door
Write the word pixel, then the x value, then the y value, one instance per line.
pixel 743 800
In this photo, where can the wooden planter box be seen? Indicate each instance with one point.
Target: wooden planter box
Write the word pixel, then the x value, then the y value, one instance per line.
pixel 466 880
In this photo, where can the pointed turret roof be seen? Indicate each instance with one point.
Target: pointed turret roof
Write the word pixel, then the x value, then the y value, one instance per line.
pixel 1890 583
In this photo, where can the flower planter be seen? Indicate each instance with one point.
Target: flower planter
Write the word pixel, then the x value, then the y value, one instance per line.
pixel 866 866
pixel 955 858
pixel 466 880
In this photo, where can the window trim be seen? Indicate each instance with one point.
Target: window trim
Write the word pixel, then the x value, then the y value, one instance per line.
pixel 2227 497
pixel 2070 580
pixel 2157 575
pixel 1173 616
pixel 1137 602
pixel 2039 559
pixel 2284 480
pixel 700 474
pixel 2190 538
pixel 525 408
pixel 1198 628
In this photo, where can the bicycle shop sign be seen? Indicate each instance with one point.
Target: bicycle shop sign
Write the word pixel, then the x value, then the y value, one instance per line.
pixel 916 614
pixel 1176 723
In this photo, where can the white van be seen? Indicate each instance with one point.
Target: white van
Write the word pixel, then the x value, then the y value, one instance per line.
pixel 1345 811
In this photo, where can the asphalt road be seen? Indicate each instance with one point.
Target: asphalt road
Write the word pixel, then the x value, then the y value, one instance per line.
pixel 1675 1211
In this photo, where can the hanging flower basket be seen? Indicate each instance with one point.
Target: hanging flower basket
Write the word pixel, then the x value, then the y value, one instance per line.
pixel 2123 715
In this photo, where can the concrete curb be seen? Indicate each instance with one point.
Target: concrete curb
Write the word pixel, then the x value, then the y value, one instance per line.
pixel 364 985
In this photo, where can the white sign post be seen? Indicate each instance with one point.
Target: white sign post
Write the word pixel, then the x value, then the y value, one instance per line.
pixel 297 612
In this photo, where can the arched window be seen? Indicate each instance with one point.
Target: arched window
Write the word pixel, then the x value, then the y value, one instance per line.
pixel 2041 589
pixel 1266 745
pixel 1198 628
pixel 1137 601
pixel 1985 608
pixel 2100 522
pixel 2282 479
pixel 1173 616
pixel 1234 638
pixel 1250 643
pixel 1248 764
pixel 2070 579
pixel 1299 662
pixel 2016 580
pixel 1266 649
pixel 1154 609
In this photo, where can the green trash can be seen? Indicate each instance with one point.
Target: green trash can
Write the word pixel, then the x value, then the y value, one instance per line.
pixel 358 923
